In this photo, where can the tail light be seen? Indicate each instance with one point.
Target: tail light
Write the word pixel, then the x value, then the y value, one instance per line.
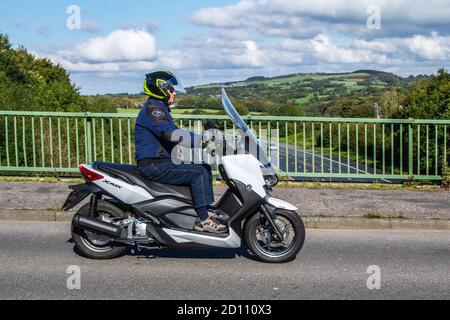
pixel 90 175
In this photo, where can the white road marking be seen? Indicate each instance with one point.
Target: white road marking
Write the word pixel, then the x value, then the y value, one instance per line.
pixel 328 160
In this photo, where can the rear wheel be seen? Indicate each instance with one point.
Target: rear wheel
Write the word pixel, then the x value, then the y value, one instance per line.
pixel 266 245
pixel 96 246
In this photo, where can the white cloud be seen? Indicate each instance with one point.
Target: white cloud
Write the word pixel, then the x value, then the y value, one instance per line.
pixel 82 67
pixel 172 60
pixel 287 44
pixel 121 51
pixel 376 45
pixel 119 45
pixel 252 57
pixel 215 52
pixel 329 51
pixel 308 18
pixel 430 48
pixel 232 34
pixel 223 17
pixel 165 61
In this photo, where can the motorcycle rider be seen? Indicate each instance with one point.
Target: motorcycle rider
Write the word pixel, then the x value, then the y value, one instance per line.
pixel 156 135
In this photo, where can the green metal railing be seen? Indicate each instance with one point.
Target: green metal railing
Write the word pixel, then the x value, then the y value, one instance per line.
pixel 319 148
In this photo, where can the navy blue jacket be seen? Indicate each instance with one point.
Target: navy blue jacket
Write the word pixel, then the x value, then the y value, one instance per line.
pixel 154 134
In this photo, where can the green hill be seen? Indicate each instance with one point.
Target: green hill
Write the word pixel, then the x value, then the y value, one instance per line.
pixel 310 93
pixel 301 87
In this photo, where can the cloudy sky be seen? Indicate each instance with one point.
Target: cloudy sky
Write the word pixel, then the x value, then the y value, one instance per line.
pixel 117 42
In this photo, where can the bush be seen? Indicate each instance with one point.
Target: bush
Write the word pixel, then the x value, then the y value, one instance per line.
pixel 429 98
pixel 28 83
pixel 445 173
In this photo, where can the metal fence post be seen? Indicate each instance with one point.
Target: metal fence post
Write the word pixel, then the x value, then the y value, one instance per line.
pixel 89 137
pixel 410 150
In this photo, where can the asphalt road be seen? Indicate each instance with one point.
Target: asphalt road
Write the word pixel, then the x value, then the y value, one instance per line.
pixel 312 161
pixel 34 258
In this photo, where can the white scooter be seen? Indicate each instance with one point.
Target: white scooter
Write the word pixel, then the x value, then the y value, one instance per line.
pixel 125 209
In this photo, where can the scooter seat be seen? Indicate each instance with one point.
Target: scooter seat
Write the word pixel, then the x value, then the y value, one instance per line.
pixel 131 174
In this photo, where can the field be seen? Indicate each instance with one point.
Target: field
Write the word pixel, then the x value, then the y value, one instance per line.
pixel 309 90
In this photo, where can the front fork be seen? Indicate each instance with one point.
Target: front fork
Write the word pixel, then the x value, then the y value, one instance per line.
pixel 270 215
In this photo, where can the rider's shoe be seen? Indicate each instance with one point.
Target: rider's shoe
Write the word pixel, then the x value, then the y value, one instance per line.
pixel 211 225
pixel 220 216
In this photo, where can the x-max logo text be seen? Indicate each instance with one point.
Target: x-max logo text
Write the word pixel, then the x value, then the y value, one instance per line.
pixel 112 184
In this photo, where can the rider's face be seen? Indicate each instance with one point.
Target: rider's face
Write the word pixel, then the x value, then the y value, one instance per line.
pixel 172 95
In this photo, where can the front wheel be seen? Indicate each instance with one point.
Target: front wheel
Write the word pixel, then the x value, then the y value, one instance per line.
pixel 262 240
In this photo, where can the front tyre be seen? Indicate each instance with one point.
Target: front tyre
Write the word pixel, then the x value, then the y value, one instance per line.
pixel 262 240
pixel 97 246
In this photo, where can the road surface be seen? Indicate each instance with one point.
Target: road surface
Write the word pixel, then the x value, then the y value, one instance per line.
pixel 34 258
pixel 312 161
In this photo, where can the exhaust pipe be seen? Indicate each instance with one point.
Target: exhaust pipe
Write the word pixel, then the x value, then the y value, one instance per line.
pixel 100 227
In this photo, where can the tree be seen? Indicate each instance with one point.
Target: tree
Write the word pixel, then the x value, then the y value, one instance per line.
pixel 351 107
pixel 429 98
pixel 33 84
pixel 392 102
pixel 289 111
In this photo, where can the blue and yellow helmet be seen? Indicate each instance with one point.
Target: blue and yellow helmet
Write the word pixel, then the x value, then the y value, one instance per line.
pixel 158 84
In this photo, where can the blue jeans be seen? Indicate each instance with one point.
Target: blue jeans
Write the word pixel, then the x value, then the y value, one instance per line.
pixel 198 177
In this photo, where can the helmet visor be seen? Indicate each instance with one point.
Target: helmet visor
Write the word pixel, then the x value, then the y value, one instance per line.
pixel 176 85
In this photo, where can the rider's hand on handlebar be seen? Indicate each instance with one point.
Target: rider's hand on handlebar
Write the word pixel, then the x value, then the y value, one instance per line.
pixel 209 143
pixel 209 147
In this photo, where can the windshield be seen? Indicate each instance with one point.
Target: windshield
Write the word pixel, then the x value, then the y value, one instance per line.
pixel 259 150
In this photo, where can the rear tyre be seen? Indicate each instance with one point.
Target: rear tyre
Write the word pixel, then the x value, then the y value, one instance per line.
pixel 262 240
pixel 97 246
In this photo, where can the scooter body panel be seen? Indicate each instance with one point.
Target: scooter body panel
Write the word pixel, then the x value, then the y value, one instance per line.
pixel 246 169
pixel 119 189
pixel 281 204
pixel 232 241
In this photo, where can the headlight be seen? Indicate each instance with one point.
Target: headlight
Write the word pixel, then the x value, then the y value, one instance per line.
pixel 270 177
pixel 271 181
